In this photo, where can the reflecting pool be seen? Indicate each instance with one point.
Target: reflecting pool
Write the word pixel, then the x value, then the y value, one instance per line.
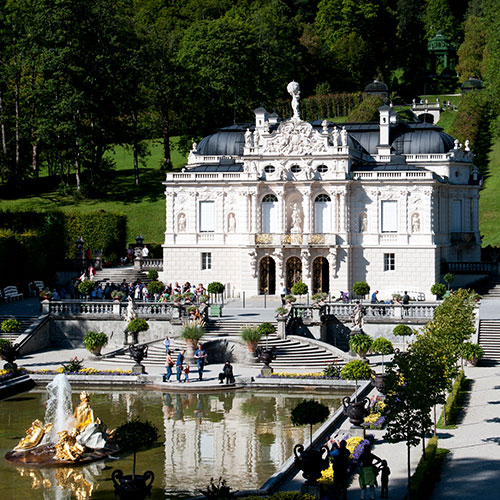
pixel 242 436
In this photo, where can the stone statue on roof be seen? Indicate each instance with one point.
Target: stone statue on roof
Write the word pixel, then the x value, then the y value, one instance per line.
pixel 293 89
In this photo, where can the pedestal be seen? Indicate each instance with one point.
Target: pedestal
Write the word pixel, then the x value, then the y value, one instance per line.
pixel 356 431
pixel 314 491
pixel 138 369
pixel 266 371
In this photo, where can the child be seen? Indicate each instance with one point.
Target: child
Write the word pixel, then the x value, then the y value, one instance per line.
pixel 186 373
pixel 384 479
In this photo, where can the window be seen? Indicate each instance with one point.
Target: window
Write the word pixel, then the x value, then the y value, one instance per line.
pixel 322 209
pixel 322 169
pixel 269 169
pixel 295 169
pixel 389 262
pixel 207 216
pixel 269 214
pixel 389 216
pixel 206 261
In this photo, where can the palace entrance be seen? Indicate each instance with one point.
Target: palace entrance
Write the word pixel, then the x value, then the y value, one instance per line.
pixel 321 275
pixel 293 272
pixel 267 276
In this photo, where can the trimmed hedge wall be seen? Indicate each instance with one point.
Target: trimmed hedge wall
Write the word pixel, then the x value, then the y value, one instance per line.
pixel 32 243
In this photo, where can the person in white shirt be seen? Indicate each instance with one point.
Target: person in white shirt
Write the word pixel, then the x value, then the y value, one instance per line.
pixel 283 293
pixel 145 251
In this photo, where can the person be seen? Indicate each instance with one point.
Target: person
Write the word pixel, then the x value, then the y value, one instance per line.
pixel 201 356
pixel 166 343
pixel 374 297
pixel 186 373
pixel 367 476
pixel 227 373
pixel 384 479
pixel 178 364
pixel 283 293
pixel 145 251
pixel 406 298
pixel 169 363
pixel 340 463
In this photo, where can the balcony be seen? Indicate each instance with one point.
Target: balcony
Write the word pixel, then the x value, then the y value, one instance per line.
pixel 463 238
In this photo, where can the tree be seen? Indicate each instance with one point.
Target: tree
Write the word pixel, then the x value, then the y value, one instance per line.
pixel 309 412
pixel 471 53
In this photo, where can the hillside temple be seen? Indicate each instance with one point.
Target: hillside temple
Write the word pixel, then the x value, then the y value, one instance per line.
pixel 287 200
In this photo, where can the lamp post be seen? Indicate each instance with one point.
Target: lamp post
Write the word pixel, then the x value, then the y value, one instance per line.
pixel 79 249
pixel 139 240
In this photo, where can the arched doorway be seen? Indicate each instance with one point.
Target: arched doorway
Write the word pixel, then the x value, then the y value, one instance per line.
pixel 321 275
pixel 293 272
pixel 267 276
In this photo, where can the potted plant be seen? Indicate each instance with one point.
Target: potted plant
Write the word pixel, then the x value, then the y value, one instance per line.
pixel 310 462
pixel 356 410
pixel 11 326
pixel 203 299
pixel 188 296
pixel 360 344
pixel 191 332
pixel 86 287
pixel 290 299
pixel 117 295
pixel 361 288
pixel 449 278
pixel 319 298
pixel 383 347
pixel 397 297
pixel 45 294
pixel 438 289
pixel 152 275
pixel 216 288
pixel 156 288
pixel 137 326
pixel 251 336
pixel 282 312
pixel 95 341
pixel 299 288
pixel 472 353
pixel 134 436
pixel 402 331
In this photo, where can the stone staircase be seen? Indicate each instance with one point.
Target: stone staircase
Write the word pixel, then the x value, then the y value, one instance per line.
pixel 493 288
pixel 26 322
pixel 118 274
pixel 489 340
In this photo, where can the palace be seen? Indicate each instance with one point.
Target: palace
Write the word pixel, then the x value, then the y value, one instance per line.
pixel 287 200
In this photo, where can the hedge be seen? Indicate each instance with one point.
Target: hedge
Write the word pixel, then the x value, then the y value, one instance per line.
pixel 367 110
pixel 454 401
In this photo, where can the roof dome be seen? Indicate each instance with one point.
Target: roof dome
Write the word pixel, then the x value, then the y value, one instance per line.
pixel 472 84
pixel 228 141
pixel 423 142
pixel 376 86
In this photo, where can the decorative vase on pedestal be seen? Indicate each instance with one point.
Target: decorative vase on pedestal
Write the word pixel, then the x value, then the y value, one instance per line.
pixel 311 463
pixel 132 487
pixel 356 410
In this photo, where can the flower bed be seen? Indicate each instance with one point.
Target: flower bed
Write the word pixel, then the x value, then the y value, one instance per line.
pixel 83 371
pixel 376 419
pixel 8 374
pixel 302 376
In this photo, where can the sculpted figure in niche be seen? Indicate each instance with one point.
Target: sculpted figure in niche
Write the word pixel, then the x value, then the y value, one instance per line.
pixel 363 223
pixel 231 223
pixel 253 262
pixel 181 223
pixel 415 223
pixel 296 219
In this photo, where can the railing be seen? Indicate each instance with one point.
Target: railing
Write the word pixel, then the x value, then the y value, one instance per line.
pixel 70 308
pixel 148 264
pixel 295 239
pixel 469 267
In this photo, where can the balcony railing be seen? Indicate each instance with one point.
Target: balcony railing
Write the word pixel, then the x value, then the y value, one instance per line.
pixel 469 267
pixel 463 237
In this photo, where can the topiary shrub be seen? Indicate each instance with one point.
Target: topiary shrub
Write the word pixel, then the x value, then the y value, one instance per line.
pixel 266 328
pixel 11 326
pixel 402 331
pixel 86 287
pixel 438 289
pixel 156 287
pixel 215 287
pixel 138 325
pixel 299 288
pixel 356 370
pixel 153 275
pixel 361 288
pixel 382 346
pixel 290 298
pixel 309 412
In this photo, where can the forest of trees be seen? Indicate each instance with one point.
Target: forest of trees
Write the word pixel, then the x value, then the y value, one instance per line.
pixel 77 76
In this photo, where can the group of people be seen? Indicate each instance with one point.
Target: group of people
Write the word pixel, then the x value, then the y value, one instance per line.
pixel 183 369
pixel 370 467
pixel 176 289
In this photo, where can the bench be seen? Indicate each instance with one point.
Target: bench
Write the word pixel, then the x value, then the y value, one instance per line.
pixel 419 296
pixel 10 293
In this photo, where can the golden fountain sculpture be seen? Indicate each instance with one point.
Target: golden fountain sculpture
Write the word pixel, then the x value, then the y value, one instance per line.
pixel 84 440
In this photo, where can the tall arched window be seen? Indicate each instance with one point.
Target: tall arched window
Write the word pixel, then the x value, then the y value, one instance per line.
pixel 322 214
pixel 269 214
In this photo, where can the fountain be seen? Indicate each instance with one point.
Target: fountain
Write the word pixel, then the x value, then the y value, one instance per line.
pixel 67 437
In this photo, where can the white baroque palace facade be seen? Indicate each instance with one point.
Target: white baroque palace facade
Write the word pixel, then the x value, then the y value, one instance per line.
pixel 281 201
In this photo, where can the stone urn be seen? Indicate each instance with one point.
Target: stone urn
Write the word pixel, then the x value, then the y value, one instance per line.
pixel 132 487
pixel 311 463
pixel 10 354
pixel 138 353
pixel 378 381
pixel 356 410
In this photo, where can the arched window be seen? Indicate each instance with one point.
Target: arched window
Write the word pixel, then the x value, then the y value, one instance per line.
pixel 322 214
pixel 269 214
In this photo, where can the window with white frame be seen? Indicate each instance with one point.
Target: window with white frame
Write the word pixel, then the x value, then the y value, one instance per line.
pixel 389 216
pixel 269 214
pixel 207 216
pixel 322 211
pixel 206 261
pixel 389 262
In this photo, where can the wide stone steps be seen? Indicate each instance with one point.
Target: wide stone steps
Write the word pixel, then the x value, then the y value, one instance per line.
pixel 489 340
pixel 26 322
pixel 118 274
pixel 494 288
pixel 223 328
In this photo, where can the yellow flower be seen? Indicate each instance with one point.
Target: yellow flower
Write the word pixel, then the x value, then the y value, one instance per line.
pixel 372 418
pixel 352 442
pixel 327 476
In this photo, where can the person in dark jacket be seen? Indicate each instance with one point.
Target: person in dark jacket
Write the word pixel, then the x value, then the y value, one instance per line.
pixel 227 373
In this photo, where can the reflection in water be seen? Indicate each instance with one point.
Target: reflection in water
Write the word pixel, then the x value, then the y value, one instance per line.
pixel 64 483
